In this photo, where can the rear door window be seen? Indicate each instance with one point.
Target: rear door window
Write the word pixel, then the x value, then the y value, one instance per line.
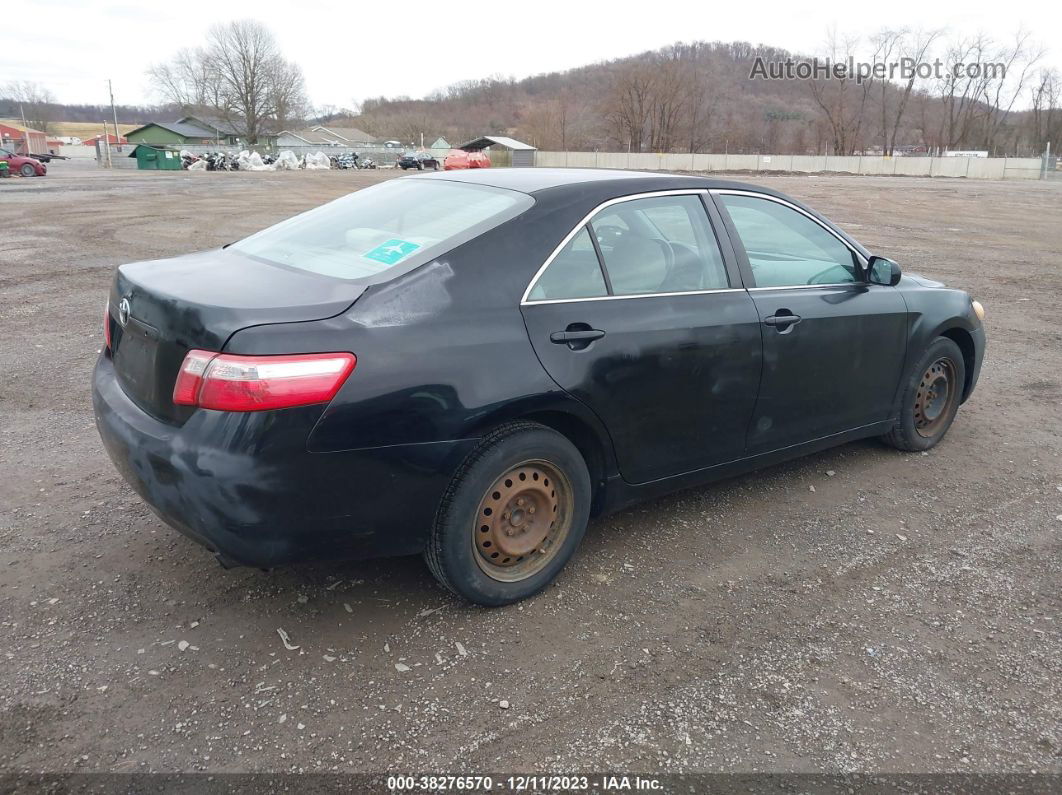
pixel 574 273
pixel 393 226
pixel 662 244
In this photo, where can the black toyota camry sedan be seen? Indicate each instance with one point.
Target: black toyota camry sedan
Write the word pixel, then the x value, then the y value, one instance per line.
pixel 470 365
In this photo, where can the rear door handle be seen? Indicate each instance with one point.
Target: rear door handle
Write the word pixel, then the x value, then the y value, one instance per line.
pixel 561 337
pixel 781 322
pixel 578 336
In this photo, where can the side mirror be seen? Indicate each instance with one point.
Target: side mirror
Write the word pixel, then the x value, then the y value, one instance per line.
pixel 883 271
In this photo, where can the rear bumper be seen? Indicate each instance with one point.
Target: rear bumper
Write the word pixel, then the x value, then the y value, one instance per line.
pixel 245 486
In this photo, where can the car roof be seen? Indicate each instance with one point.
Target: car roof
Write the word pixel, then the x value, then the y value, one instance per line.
pixel 532 180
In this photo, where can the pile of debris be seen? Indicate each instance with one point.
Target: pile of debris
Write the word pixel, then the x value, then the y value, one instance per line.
pixel 285 161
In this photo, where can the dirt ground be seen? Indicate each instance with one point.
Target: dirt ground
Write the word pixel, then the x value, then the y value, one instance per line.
pixel 859 610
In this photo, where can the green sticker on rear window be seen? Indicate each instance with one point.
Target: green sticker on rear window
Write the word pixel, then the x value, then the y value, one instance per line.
pixel 391 251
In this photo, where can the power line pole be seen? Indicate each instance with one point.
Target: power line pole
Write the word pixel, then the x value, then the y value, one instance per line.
pixel 25 129
pixel 114 113
pixel 107 144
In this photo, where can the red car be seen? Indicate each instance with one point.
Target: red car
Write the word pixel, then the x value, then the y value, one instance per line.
pixel 26 166
pixel 459 158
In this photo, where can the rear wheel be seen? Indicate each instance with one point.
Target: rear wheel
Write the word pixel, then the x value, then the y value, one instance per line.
pixel 931 398
pixel 27 170
pixel 512 517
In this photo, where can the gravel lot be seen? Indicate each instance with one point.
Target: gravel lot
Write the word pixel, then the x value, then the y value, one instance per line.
pixel 859 610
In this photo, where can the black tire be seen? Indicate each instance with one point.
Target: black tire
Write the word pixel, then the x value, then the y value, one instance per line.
pixel 27 170
pixel 461 564
pixel 931 397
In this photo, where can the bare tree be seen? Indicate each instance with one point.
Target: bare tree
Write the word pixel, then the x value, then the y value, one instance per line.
pixel 539 126
pixel 960 92
pixel 887 44
pixel 628 105
pixel 913 47
pixel 842 100
pixel 186 80
pixel 288 94
pixel 1046 117
pixel 1001 91
pixel 37 102
pixel 239 76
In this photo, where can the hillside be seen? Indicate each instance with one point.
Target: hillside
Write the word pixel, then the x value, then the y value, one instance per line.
pixel 699 97
pixel 704 100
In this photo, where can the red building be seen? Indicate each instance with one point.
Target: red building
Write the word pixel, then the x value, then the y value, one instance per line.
pixel 23 140
pixel 111 139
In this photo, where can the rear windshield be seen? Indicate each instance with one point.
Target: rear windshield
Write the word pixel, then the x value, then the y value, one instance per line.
pixel 396 225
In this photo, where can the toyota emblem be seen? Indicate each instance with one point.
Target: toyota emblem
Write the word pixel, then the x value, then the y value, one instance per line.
pixel 123 312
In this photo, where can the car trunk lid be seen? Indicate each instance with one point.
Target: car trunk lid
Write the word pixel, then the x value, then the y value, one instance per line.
pixel 161 309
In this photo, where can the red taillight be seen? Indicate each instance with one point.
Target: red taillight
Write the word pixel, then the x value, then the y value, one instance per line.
pixel 190 378
pixel 228 382
pixel 107 324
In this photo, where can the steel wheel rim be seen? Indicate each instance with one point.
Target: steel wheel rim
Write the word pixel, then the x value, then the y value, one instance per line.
pixel 935 397
pixel 522 521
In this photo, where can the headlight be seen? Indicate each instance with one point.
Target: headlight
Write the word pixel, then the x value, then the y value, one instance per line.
pixel 978 310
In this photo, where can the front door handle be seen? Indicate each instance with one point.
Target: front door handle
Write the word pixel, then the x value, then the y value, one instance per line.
pixel 782 320
pixel 560 337
pixel 577 336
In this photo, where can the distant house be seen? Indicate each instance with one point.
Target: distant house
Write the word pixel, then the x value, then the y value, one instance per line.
pixel 175 133
pixel 345 136
pixel 22 140
pixel 305 137
pixel 440 143
pixel 190 130
pixel 220 128
pixel 111 139
pixel 325 136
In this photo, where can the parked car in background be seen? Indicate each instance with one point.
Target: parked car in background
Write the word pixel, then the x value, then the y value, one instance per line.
pixel 418 160
pixel 469 366
pixel 459 159
pixel 20 164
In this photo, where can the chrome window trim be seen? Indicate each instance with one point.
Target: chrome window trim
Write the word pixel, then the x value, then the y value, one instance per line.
pixel 807 286
pixel 756 195
pixel 525 300
pixel 636 295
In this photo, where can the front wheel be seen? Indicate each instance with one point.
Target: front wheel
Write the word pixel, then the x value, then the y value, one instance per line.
pixel 28 170
pixel 931 398
pixel 512 516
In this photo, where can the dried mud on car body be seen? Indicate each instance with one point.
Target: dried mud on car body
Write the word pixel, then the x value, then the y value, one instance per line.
pixel 899 614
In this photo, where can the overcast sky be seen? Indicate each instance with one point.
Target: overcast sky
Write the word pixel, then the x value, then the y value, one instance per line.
pixel 412 48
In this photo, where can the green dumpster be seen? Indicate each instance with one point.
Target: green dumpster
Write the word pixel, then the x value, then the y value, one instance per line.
pixel 157 158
